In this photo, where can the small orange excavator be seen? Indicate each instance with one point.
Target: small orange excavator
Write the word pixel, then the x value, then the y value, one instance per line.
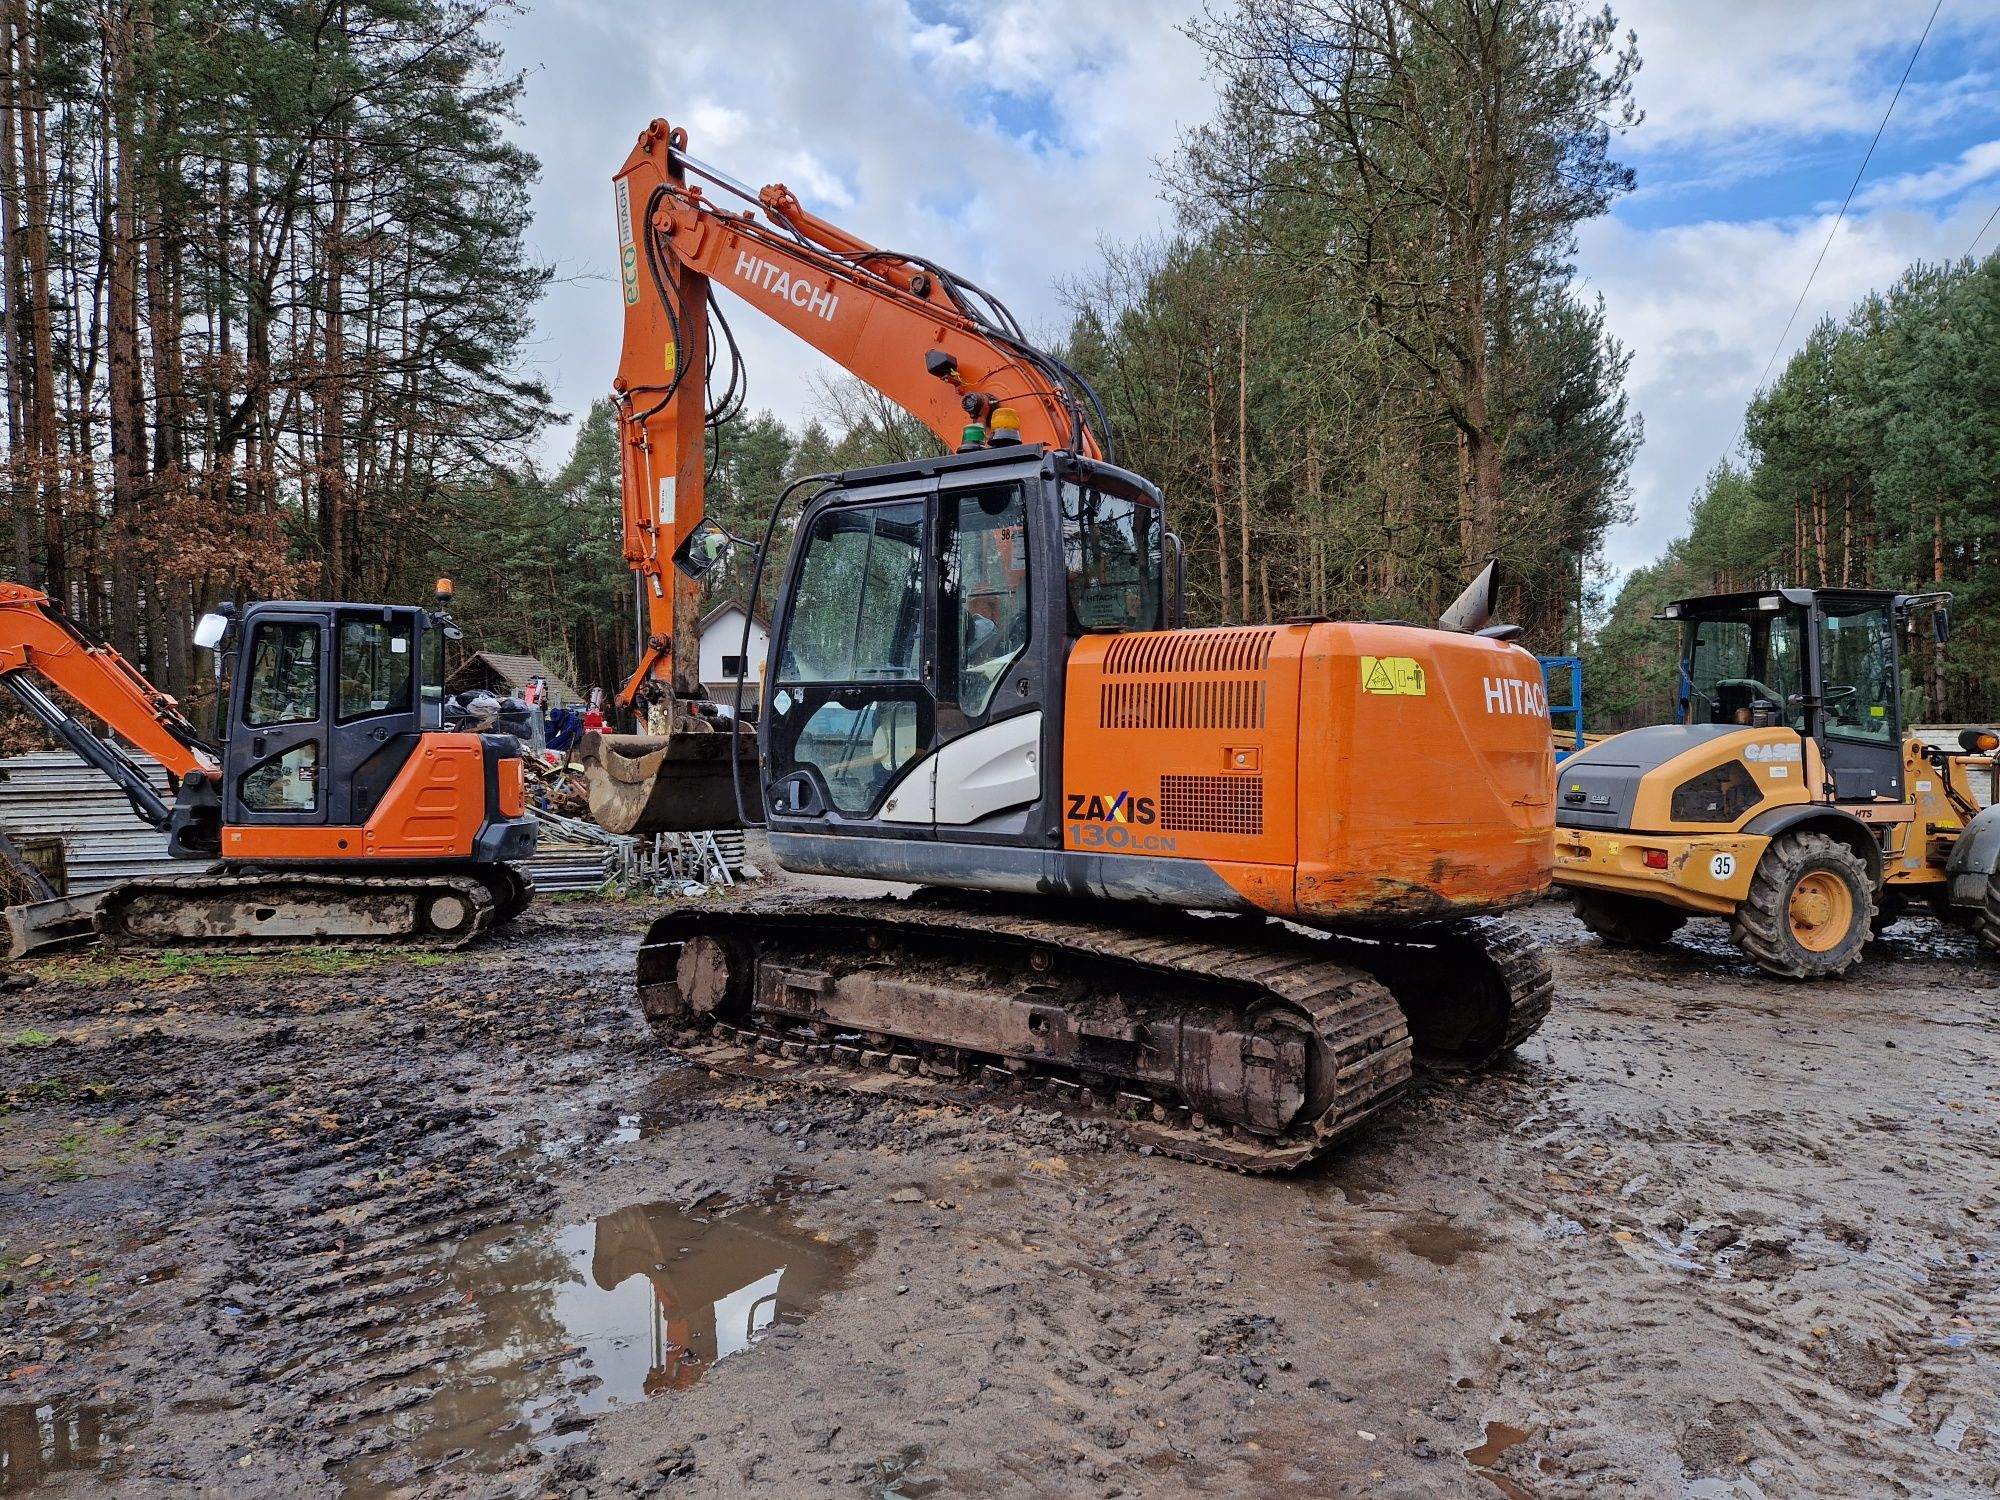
pixel 336 805
pixel 1207 884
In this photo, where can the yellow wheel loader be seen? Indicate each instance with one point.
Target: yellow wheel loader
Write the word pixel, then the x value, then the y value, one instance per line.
pixel 1786 797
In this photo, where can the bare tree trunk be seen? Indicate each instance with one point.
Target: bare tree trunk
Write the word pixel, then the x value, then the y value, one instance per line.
pixel 13 279
pixel 1846 530
pixel 332 397
pixel 1217 492
pixel 127 389
pixel 36 207
pixel 1822 499
pixel 1316 540
pixel 1243 454
pixel 1938 709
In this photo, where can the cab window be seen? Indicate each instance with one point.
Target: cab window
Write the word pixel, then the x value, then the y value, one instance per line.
pixel 1111 553
pixel 984 593
pixel 1858 667
pixel 433 676
pixel 374 660
pixel 858 609
pixel 283 686
pixel 1739 658
pixel 849 702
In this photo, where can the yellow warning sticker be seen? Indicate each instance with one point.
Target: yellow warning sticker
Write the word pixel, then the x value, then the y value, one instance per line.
pixel 1400 676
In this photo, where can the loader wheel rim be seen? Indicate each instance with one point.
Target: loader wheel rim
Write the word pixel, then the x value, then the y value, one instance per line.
pixel 1820 911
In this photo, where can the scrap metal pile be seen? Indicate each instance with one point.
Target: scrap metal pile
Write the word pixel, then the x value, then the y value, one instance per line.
pixel 575 852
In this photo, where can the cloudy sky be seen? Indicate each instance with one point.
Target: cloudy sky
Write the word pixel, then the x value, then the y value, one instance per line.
pixel 1008 138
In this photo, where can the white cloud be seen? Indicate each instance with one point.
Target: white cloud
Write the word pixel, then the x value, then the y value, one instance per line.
pixel 1741 75
pixel 1976 164
pixel 881 119
pixel 1700 307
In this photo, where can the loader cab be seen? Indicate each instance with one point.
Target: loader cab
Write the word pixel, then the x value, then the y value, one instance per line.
pixel 325 704
pixel 922 635
pixel 1823 662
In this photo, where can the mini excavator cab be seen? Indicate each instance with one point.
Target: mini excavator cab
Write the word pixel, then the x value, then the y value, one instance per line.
pixel 336 806
pixel 322 707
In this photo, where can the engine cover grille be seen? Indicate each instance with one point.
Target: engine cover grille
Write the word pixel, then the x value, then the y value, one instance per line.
pixel 1212 804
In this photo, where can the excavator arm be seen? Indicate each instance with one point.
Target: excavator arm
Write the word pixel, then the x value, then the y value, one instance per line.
pixel 37 640
pixel 928 340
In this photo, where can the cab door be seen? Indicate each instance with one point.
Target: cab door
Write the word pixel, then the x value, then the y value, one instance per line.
pixel 991 648
pixel 851 705
pixel 1860 718
pixel 375 712
pixel 275 762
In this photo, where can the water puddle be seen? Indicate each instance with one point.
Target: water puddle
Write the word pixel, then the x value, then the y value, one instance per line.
pixel 1437 1240
pixel 1499 1438
pixel 580 1319
pixel 44 1442
pixel 1358 1265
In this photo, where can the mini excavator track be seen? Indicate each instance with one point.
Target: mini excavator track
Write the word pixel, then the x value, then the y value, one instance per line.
pixel 1242 1044
pixel 231 912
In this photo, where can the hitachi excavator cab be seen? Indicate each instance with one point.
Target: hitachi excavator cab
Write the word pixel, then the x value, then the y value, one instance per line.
pixel 928 614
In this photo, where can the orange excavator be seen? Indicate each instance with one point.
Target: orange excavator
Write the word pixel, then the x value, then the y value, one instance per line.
pixel 1212 886
pixel 336 806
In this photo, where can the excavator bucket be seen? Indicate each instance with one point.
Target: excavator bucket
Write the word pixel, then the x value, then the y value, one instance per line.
pixel 54 923
pixel 681 783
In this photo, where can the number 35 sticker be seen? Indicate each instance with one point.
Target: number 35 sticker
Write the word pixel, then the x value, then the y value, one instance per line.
pixel 1722 866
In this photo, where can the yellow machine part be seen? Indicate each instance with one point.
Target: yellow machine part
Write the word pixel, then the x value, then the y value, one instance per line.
pixel 1708 868
pixel 1707 872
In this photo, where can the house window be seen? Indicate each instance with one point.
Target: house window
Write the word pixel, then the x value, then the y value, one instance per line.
pixel 732 666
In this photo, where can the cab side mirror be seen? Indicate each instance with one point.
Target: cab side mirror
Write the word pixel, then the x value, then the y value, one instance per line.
pixel 1941 623
pixel 702 549
pixel 213 628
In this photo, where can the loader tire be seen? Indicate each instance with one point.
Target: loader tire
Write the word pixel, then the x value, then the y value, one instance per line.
pixel 1890 908
pixel 1951 914
pixel 1809 910
pixel 1986 916
pixel 1628 921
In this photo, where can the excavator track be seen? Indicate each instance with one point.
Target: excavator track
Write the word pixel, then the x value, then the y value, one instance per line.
pixel 233 912
pixel 1472 990
pixel 1254 1049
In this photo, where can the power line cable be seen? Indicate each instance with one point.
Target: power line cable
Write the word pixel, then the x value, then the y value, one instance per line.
pixel 1982 232
pixel 1837 218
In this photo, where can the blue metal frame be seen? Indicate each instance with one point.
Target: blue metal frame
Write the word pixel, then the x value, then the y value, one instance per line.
pixel 1570 708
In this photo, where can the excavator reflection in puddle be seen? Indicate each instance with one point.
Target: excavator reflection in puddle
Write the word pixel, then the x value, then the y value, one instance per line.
pixel 589 1317
pixel 716 1284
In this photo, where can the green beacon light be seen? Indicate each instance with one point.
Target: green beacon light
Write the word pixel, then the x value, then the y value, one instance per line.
pixel 974 437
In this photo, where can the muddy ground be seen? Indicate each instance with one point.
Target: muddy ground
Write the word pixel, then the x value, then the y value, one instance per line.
pixel 321 1225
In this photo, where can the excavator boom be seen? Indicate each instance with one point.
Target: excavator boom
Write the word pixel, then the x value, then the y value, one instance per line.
pixel 935 345
pixel 38 640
